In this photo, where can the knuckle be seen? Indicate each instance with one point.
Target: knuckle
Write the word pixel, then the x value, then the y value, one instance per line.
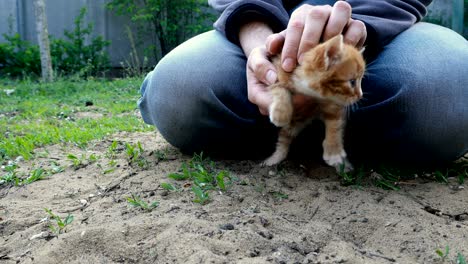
pixel 296 23
pixel 307 44
pixel 319 13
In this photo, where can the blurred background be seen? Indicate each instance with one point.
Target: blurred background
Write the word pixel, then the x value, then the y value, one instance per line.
pixel 127 35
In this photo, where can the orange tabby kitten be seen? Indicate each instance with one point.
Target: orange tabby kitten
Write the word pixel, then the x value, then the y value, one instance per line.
pixel 330 75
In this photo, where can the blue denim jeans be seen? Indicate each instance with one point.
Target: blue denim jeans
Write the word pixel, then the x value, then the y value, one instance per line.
pixel 415 105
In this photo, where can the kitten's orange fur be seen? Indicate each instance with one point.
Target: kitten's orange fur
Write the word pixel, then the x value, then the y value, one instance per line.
pixel 330 75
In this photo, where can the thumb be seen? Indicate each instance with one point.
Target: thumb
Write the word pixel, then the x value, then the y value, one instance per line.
pixel 261 67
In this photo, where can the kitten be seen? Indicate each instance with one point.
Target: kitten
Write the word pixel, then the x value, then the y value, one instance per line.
pixel 330 75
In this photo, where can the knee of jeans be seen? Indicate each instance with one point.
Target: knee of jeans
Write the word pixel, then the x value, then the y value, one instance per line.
pixel 170 102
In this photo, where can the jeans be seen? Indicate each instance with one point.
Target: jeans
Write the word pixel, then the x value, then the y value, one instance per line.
pixel 415 105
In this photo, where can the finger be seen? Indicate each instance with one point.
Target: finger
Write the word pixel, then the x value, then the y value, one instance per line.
pixel 315 22
pixel 356 33
pixel 258 94
pixel 291 43
pixel 339 17
pixel 261 67
pixel 274 43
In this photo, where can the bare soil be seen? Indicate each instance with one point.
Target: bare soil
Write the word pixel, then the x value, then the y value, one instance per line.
pixel 299 214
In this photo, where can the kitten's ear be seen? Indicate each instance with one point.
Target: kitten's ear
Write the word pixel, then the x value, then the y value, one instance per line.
pixel 333 50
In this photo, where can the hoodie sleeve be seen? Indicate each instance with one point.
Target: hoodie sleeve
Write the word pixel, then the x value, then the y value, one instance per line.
pixel 236 13
pixel 384 19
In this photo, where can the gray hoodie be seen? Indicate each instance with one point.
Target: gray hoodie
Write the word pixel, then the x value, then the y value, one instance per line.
pixel 384 19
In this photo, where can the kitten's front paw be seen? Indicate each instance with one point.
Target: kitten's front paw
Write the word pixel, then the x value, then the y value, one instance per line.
pixel 280 114
pixel 338 161
pixel 274 159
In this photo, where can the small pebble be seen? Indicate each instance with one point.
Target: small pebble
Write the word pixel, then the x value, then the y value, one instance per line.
pixel 227 227
pixel 265 235
pixel 40 235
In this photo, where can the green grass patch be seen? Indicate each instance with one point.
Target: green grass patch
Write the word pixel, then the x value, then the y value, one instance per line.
pixel 60 225
pixel 203 177
pixel 390 177
pixel 35 114
pixel 136 201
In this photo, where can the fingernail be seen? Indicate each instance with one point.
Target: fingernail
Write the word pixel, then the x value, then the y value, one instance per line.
pixel 288 64
pixel 271 77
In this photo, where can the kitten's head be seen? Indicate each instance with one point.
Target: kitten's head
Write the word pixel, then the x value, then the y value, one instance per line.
pixel 333 70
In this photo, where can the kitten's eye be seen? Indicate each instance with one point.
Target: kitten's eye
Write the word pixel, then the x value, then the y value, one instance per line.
pixel 352 82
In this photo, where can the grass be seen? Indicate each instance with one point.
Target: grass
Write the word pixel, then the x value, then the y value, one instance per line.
pixel 390 177
pixel 135 154
pixel 38 114
pixel 60 224
pixel 203 177
pixel 444 256
pixel 136 201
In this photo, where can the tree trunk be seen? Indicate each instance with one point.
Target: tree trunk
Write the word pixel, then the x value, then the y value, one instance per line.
pixel 43 40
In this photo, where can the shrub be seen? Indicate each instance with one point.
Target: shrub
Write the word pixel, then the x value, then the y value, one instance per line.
pixel 72 55
pixel 19 57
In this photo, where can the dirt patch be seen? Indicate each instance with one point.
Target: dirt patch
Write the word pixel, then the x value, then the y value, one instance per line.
pixel 314 220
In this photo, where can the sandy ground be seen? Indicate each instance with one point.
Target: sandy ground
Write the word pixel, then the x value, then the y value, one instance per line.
pixel 314 220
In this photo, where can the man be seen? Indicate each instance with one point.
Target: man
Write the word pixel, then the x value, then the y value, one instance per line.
pixel 209 93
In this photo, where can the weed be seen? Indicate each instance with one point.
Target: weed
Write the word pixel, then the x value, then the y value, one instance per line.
pixel 55 167
pixel 137 202
pixel 202 173
pixel 201 195
pixel 443 254
pixel 279 195
pixel 441 177
pixel 82 161
pixel 60 224
pixel 354 177
pixel 35 175
pixel 168 187
pixel 160 154
pixel 76 162
pixel 134 154
pixel 461 259
pixel 11 175
pixel 112 150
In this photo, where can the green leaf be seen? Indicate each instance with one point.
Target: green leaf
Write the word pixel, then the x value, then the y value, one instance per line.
pixel 178 176
pixel 154 204
pixel 168 186
pixel 69 219
pixel 202 196
pixel 461 259
pixel 220 180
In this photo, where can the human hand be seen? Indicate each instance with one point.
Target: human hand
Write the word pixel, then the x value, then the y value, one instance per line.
pixel 260 73
pixel 309 25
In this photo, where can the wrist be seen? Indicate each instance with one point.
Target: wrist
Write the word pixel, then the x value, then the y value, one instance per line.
pixel 252 35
